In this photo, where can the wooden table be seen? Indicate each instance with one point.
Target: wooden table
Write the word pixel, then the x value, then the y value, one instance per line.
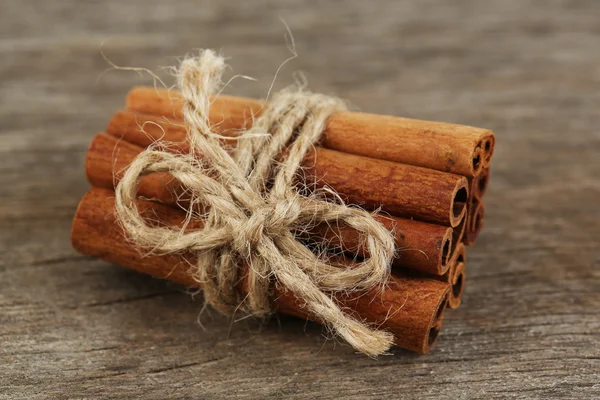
pixel 75 327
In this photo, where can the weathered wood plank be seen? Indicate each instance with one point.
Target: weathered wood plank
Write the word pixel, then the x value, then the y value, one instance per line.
pixel 74 327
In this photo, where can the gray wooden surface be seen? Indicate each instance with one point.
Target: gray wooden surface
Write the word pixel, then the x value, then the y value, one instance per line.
pixel 75 327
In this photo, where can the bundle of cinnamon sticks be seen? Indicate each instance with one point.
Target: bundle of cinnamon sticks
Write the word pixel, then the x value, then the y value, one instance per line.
pixel 425 179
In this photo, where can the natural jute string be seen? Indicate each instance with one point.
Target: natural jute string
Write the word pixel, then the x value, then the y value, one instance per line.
pixel 253 209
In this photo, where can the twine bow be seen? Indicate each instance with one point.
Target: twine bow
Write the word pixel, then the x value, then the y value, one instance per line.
pixel 253 209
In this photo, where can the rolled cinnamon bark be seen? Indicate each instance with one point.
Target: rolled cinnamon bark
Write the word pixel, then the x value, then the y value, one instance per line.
pixel 456 276
pixel 475 207
pixel 458 286
pixel 458 235
pixel 422 246
pixel 474 222
pixel 488 150
pixel 410 308
pixel 478 184
pixel 419 245
pixel 445 147
pixel 402 190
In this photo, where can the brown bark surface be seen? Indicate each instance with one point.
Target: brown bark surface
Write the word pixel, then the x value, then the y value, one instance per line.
pixel 402 190
pixel 445 147
pixel 422 246
pixel 410 308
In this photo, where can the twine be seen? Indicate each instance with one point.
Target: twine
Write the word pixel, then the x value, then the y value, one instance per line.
pixel 254 209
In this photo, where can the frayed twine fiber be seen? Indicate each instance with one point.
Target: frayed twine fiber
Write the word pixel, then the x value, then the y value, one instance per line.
pixel 253 209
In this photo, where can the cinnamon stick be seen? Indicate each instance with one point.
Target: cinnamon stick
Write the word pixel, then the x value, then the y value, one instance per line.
pixel 456 276
pixel 458 286
pixel 458 149
pixel 458 235
pixel 474 221
pixel 475 207
pixel 410 308
pixel 478 184
pixel 422 246
pixel 402 190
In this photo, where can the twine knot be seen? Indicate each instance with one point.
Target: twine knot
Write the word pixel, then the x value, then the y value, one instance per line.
pixel 253 209
pixel 267 220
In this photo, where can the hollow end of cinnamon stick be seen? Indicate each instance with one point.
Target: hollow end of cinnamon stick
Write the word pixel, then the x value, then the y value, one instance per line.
pixel 475 222
pixel 447 244
pixel 488 146
pixel 455 275
pixel 436 323
pixel 460 196
pixel 458 285
pixel 460 254
pixel 477 160
pixel 457 237
pixel 434 333
pixel 439 313
pixel 482 183
pixel 478 219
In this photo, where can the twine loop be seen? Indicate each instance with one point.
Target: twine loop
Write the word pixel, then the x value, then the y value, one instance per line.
pixel 254 208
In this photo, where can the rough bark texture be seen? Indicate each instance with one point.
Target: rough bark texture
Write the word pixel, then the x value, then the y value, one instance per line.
pixel 410 308
pixel 76 327
pixel 428 194
pixel 451 148
pixel 422 246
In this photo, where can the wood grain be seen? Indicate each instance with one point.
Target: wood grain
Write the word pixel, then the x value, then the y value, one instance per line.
pixel 75 327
